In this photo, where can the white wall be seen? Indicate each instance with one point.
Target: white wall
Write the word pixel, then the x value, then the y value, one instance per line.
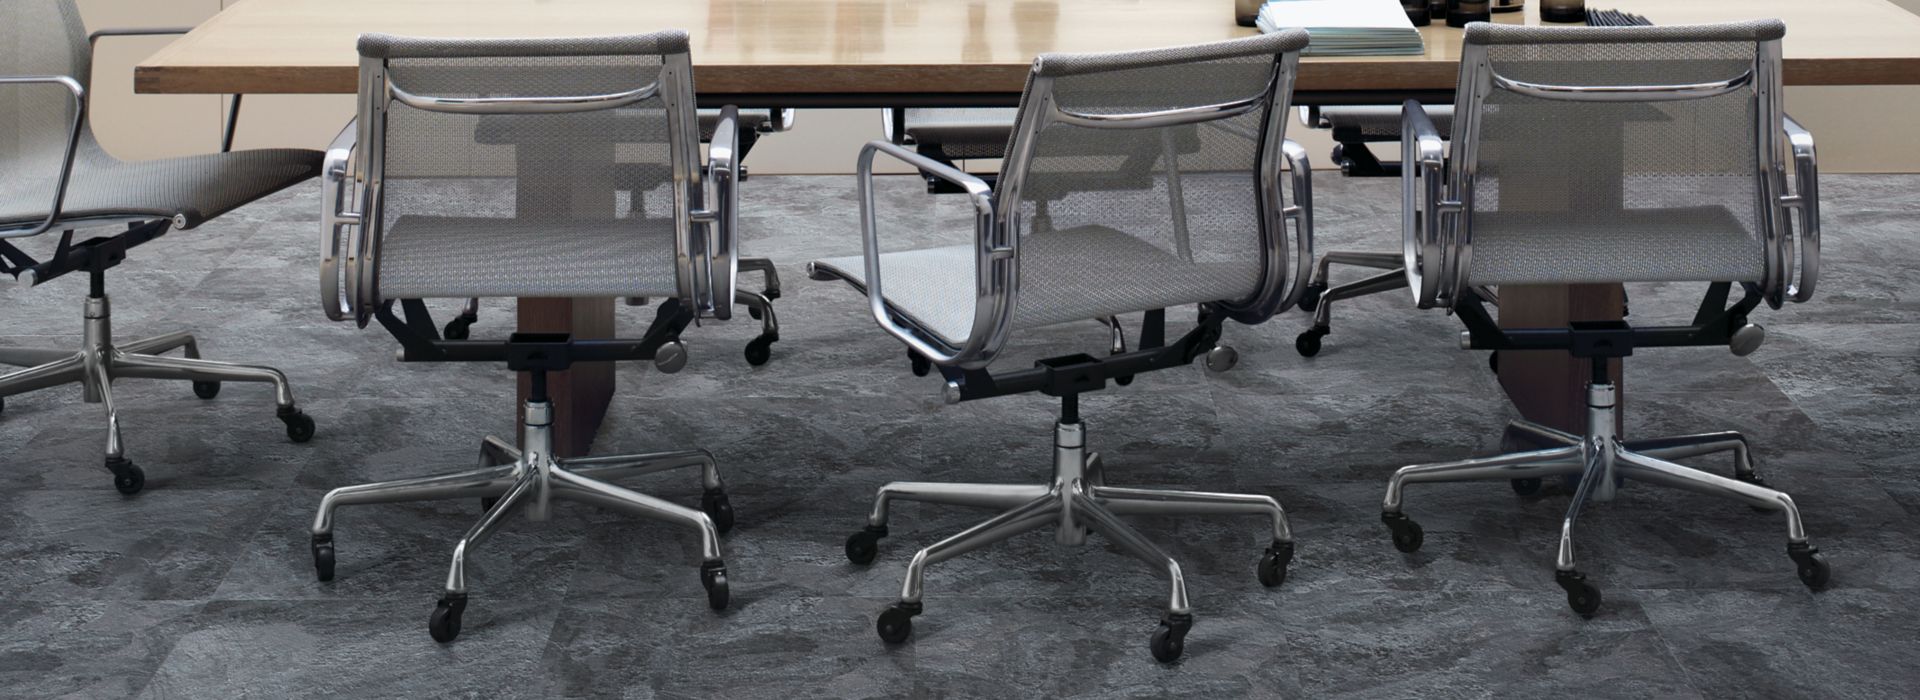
pixel 1860 129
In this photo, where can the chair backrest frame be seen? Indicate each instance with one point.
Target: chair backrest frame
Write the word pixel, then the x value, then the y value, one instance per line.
pixel 997 263
pixel 378 91
pixel 1479 80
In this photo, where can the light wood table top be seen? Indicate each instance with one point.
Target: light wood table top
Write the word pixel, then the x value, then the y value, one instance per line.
pixel 926 46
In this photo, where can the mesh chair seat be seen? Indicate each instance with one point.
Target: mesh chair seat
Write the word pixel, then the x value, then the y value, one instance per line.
pixel 1072 275
pixel 1635 245
pixel 457 257
pixel 1381 122
pixel 196 188
pixel 962 132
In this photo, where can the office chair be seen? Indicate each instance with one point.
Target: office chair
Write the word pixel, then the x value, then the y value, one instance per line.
pixel 1210 231
pixel 1353 127
pixel 424 200
pixel 55 176
pixel 946 134
pixel 1610 155
pixel 749 126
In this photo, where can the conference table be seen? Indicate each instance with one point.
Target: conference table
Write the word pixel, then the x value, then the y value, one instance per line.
pixel 907 53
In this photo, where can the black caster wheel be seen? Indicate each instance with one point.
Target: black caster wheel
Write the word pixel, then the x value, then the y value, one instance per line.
pixel 863 545
pixel 323 557
pixel 921 366
pixel 486 503
pixel 206 390
pixel 1525 487
pixel 1126 380
pixel 1583 597
pixel 760 349
pixel 1310 297
pixel 771 294
pixel 718 509
pixel 1812 566
pixel 754 312
pixel 1170 640
pixel 1309 342
pixel 1493 362
pixel 299 425
pixel 444 624
pixel 1407 535
pixel 713 576
pixel 896 622
pixel 127 476
pixel 460 328
pixel 1273 564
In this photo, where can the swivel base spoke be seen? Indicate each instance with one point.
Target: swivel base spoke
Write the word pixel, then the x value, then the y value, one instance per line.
pixel 527 480
pixel 99 363
pixel 1074 505
pixel 1597 463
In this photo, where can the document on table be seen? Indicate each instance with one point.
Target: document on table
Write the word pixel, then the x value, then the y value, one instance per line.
pixel 1346 27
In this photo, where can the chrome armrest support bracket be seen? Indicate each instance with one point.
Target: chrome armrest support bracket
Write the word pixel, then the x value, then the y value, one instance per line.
pixel 79 95
pixel 1804 199
pixel 1300 214
pixel 339 224
pixel 973 350
pixel 1425 212
pixel 721 260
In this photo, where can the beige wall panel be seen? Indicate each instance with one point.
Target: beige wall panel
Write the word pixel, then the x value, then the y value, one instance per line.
pixel 137 127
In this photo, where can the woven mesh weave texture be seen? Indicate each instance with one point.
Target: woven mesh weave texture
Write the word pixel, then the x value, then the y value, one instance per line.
pixel 569 204
pixel 1597 179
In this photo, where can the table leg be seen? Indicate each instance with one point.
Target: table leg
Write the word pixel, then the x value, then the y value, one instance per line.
pixel 1550 386
pixel 580 395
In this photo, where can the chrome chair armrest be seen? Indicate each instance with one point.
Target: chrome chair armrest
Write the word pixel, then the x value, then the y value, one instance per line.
pixel 339 286
pixel 79 94
pixel 1423 208
pixel 1805 198
pixel 974 349
pixel 721 260
pixel 1300 214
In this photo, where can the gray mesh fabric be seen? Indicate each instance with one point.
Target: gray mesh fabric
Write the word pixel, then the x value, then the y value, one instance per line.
pixel 1059 273
pixel 1750 31
pixel 1118 220
pixel 1568 191
pixel 513 205
pixel 432 256
pixel 41 37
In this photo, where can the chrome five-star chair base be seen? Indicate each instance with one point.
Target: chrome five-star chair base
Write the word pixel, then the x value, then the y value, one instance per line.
pixel 511 479
pixel 1318 297
pixel 1076 501
pixel 1601 461
pixel 99 362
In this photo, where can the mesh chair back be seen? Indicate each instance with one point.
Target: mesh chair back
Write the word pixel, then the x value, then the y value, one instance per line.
pixel 515 167
pixel 45 38
pixel 1616 154
pixel 1148 179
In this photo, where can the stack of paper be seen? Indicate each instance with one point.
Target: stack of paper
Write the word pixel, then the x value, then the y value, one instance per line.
pixel 1346 27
